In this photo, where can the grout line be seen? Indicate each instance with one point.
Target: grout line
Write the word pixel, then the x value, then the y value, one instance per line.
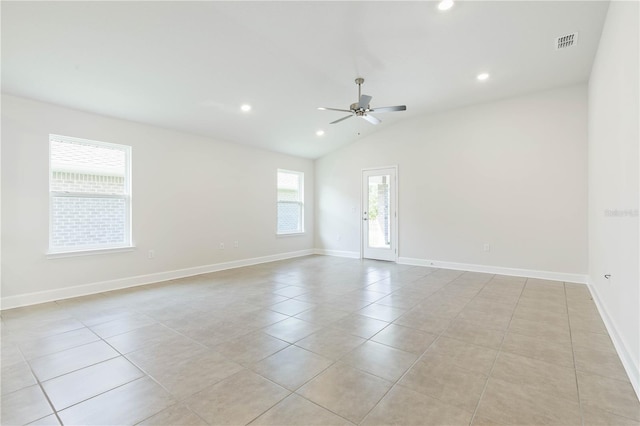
pixel 104 392
pixel 498 351
pixel 420 357
pixel 46 395
pixel 167 408
pixel 55 412
pixel 291 392
pixel 573 354
pixel 366 372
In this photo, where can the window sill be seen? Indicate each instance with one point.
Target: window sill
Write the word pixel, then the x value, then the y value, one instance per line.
pixel 291 234
pixel 89 252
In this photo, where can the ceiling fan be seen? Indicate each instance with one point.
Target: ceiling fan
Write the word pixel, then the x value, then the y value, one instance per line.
pixel 362 108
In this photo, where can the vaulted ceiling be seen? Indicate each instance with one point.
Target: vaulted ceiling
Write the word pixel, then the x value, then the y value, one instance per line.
pixel 189 66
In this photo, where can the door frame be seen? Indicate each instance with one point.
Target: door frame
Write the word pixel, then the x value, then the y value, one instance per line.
pixel 394 236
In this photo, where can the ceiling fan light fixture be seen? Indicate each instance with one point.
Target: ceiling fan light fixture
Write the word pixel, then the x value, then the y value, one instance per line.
pixel 245 108
pixel 362 107
pixel 482 76
pixel 320 133
pixel 445 5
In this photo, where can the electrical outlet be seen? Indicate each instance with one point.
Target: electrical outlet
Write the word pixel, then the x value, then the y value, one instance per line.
pixel 221 246
pixel 236 244
pixel 486 247
pixel 151 254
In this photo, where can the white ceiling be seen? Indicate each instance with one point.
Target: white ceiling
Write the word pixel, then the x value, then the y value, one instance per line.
pixel 190 65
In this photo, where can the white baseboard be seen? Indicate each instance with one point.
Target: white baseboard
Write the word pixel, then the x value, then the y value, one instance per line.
pixel 338 253
pixel 515 272
pixel 628 361
pixel 98 287
pixel 102 286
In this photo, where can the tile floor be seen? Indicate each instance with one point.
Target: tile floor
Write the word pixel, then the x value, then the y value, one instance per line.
pixel 317 341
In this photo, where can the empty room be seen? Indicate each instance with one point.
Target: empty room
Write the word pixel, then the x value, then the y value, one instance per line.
pixel 320 213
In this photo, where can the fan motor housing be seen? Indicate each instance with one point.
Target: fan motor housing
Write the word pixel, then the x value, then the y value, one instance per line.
pixel 359 111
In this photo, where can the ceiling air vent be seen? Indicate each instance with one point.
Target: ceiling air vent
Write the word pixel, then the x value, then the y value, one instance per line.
pixel 566 41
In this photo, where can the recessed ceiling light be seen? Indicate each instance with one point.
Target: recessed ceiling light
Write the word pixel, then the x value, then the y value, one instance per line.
pixel 320 133
pixel 246 108
pixel 445 5
pixel 483 76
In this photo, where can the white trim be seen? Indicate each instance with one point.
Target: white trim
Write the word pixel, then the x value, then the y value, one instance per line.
pixel 290 234
pixel 99 287
pixel 88 252
pixel 630 364
pixel 338 253
pixel 516 272
pixel 365 169
pixel 71 194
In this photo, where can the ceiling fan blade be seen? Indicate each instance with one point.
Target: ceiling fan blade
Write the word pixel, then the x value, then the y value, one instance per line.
pixel 334 109
pixel 371 119
pixel 340 119
pixel 364 101
pixel 390 108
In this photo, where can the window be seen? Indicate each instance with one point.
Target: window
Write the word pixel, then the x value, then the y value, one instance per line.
pixel 290 202
pixel 89 195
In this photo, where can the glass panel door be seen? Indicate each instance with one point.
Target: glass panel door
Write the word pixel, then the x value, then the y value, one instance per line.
pixel 379 215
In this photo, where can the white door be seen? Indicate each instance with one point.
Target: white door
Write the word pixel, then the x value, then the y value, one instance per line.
pixel 379 216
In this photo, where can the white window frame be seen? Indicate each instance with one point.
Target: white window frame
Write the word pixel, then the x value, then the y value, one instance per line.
pixel 300 202
pixel 97 248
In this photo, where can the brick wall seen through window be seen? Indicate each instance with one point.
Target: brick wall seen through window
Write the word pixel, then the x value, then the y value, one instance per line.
pixel 89 195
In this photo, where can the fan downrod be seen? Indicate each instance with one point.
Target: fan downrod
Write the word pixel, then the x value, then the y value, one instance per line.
pixel 359 82
pixel 357 110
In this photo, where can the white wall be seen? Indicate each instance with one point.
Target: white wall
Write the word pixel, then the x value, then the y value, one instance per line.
pixel 613 181
pixel 189 194
pixel 511 173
